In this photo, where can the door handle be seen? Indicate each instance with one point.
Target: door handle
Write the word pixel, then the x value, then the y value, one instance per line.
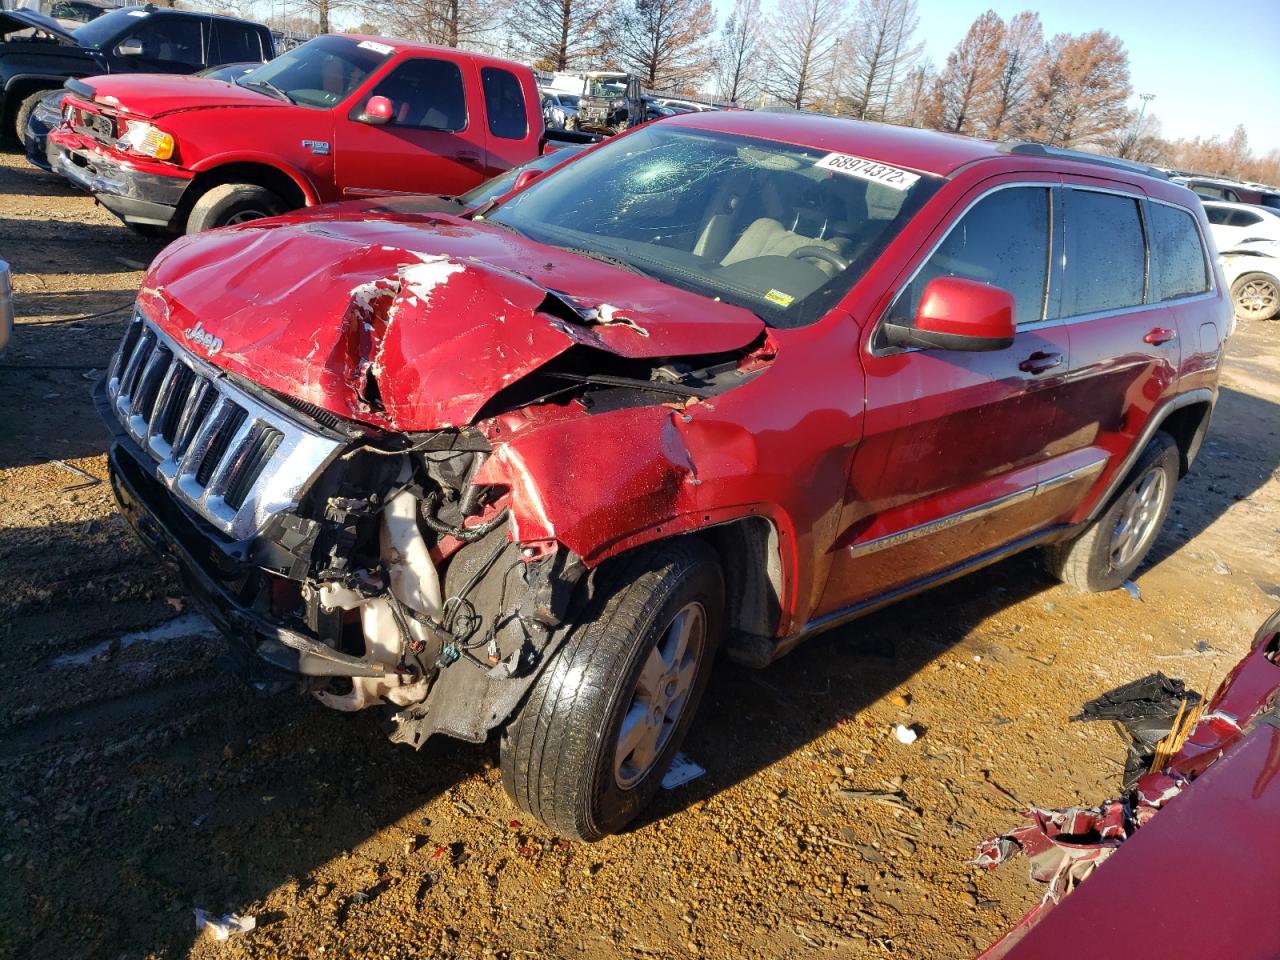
pixel 1160 335
pixel 466 156
pixel 1040 361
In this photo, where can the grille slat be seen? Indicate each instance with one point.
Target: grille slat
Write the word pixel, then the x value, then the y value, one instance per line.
pixel 215 446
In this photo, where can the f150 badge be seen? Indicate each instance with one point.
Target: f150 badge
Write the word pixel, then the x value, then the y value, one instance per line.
pixel 203 338
pixel 319 147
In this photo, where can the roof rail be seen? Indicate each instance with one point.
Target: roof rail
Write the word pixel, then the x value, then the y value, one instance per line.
pixel 1022 148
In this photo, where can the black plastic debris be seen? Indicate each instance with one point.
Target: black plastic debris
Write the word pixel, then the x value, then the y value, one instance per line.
pixel 1143 712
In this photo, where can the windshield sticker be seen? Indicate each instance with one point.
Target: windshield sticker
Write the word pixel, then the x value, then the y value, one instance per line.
pixel 780 298
pixel 868 170
pixel 139 13
pixel 376 47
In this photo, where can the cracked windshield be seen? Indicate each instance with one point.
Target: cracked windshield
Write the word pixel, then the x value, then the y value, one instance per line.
pixel 778 229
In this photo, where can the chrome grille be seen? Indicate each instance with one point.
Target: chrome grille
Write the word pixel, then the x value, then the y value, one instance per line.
pixel 218 449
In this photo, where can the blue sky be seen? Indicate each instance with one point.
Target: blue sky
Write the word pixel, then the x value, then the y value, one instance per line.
pixel 1210 67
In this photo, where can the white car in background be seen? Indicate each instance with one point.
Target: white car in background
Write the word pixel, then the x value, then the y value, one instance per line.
pixel 1234 223
pixel 1252 270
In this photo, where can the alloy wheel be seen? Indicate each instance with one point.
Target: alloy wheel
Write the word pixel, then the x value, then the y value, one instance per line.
pixel 1139 518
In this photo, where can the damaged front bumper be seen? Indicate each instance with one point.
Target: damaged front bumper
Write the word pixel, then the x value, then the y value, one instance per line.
pixel 135 191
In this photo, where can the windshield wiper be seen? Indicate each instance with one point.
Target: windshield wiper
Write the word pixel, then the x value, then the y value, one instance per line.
pixel 605 258
pixel 657 386
pixel 268 85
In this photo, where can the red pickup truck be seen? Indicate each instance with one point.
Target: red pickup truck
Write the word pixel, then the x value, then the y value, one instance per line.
pixel 727 379
pixel 336 118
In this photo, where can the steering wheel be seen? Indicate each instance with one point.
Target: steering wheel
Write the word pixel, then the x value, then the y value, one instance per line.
pixel 815 252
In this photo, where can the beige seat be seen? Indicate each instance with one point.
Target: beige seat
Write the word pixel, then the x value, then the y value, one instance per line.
pixel 767 237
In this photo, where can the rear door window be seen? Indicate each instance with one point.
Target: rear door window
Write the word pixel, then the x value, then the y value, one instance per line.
pixel 1105 263
pixel 1178 263
pixel 1004 241
pixel 504 101
pixel 234 43
pixel 427 94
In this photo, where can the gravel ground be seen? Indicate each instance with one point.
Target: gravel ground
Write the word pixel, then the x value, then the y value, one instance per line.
pixel 139 781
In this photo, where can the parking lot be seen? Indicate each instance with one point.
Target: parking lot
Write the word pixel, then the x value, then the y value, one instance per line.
pixel 138 781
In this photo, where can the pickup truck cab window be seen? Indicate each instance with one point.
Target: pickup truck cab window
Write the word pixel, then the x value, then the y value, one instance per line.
pixel 233 43
pixel 319 74
pixel 755 223
pixel 1003 240
pixel 427 94
pixel 163 42
pixel 1105 253
pixel 504 101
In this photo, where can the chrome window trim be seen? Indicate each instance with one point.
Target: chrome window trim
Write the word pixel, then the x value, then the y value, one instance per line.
pixel 1212 289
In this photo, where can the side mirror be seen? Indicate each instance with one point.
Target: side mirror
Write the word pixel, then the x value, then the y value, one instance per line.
pixel 958 314
pixel 377 111
pixel 524 178
pixel 129 47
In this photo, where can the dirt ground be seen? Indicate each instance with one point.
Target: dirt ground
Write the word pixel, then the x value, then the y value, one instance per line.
pixel 139 781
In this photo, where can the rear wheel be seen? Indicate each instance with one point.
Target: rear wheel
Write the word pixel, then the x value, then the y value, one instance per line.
pixel 590 745
pixel 1256 296
pixel 1114 545
pixel 232 203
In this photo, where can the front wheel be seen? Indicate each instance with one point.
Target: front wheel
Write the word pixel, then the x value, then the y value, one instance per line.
pixel 231 203
pixel 590 745
pixel 1256 296
pixel 23 114
pixel 1113 546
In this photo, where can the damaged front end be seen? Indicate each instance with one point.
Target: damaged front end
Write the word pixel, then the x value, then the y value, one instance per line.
pixel 318 543
pixel 360 511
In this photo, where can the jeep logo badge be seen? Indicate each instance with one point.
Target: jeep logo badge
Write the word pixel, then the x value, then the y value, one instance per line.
pixel 203 338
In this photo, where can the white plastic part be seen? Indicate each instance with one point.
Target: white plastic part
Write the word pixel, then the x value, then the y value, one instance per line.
pixel 416 584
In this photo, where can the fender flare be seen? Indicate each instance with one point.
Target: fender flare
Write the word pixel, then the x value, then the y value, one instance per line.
pixel 300 179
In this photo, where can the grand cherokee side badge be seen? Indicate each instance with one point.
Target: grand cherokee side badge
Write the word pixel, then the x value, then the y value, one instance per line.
pixel 319 147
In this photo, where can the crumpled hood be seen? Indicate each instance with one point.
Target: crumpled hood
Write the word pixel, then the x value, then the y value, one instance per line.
pixel 411 322
pixel 161 94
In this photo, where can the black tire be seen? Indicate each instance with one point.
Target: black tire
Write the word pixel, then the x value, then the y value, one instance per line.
pixel 560 752
pixel 23 114
pixel 1256 296
pixel 1091 561
pixel 231 203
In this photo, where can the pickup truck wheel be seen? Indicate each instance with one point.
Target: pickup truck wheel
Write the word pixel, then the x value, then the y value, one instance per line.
pixel 1256 297
pixel 231 203
pixel 24 113
pixel 591 743
pixel 1114 545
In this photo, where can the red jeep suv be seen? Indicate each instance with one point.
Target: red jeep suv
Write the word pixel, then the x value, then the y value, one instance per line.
pixel 729 379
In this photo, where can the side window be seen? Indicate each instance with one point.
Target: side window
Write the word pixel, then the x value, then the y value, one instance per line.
pixel 1177 258
pixel 504 101
pixel 427 94
pixel 169 39
pixel 1219 216
pixel 1004 241
pixel 233 43
pixel 1243 218
pixel 1105 253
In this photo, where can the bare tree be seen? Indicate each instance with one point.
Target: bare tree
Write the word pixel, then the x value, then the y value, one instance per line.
pixel 560 34
pixel 970 78
pixel 448 23
pixel 802 47
pixel 1023 56
pixel 665 41
pixel 738 54
pixel 912 96
pixel 879 53
pixel 1080 95
pixel 1138 140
